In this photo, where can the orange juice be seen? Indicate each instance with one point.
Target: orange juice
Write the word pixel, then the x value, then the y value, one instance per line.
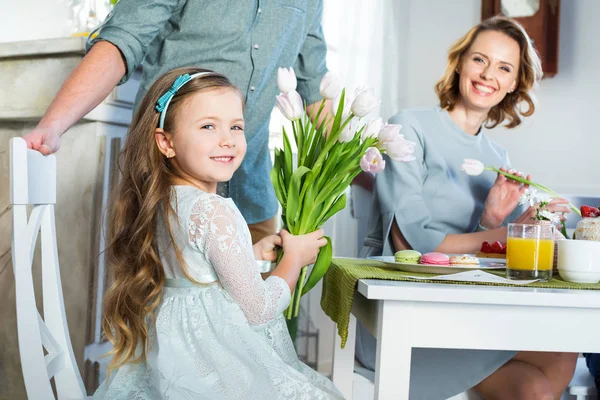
pixel 529 254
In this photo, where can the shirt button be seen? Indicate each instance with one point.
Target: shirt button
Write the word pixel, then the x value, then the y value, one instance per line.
pixel 256 46
pixel 252 88
pixel 259 10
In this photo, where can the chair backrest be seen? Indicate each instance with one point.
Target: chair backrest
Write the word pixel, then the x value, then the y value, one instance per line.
pixel 33 183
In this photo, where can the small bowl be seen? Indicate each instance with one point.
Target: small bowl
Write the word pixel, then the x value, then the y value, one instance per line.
pixel 579 261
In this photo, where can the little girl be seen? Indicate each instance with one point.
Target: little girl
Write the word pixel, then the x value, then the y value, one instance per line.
pixel 188 313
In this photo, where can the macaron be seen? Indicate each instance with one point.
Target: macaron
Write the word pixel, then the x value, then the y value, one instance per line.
pixel 464 259
pixel 435 258
pixel 407 256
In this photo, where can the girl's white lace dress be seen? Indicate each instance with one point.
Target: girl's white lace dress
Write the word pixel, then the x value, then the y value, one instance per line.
pixel 225 339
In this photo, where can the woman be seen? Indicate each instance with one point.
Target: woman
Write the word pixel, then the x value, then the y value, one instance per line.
pixel 429 204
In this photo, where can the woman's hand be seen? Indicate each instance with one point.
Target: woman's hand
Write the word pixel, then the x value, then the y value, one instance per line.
pixel 303 248
pixel 502 199
pixel 266 248
pixel 555 205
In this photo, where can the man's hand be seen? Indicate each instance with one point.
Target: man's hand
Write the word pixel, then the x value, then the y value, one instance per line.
pixel 42 140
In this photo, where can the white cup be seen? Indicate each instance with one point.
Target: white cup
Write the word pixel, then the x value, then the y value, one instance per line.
pixel 579 261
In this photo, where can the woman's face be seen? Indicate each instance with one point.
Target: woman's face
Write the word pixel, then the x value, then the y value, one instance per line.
pixel 488 70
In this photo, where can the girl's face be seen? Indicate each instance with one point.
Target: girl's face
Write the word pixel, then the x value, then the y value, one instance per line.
pixel 488 70
pixel 208 144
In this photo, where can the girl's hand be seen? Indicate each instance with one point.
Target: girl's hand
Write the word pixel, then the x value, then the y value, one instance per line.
pixel 303 248
pixel 266 248
pixel 502 199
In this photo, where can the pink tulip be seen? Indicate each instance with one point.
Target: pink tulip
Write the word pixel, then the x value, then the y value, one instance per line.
pixel 372 161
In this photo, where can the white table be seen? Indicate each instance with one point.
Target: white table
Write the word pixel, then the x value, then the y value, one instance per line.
pixel 403 315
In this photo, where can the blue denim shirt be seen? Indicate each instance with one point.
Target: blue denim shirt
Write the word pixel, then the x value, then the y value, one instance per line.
pixel 244 40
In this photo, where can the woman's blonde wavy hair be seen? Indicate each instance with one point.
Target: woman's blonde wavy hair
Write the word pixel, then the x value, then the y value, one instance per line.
pixel 141 199
pixel 530 72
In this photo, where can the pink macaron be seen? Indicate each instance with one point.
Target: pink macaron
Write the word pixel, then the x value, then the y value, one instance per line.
pixel 435 258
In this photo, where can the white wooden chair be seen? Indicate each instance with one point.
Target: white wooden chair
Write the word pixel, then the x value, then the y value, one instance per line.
pixel 33 183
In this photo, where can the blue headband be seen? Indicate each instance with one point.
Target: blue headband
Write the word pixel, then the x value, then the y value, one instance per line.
pixel 163 102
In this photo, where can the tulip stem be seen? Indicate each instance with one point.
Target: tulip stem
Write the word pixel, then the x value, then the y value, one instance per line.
pixel 530 183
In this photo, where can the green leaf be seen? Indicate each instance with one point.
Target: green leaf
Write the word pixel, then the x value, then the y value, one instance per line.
pixel 309 213
pixel 295 131
pixel 293 199
pixel 321 266
pixel 275 182
pixel 287 159
pixel 329 167
pixel 338 113
pixel 338 206
pixel 310 141
pixel 300 141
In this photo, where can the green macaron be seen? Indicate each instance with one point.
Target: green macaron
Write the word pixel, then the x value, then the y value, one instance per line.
pixel 407 256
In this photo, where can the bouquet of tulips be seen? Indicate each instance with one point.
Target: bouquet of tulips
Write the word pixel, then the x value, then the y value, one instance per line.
pixel 330 154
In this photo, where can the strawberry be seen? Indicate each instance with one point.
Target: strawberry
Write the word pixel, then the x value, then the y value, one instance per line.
pixel 486 247
pixel 589 212
pixel 504 248
pixel 496 247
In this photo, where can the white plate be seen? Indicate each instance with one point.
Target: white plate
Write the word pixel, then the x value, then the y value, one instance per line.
pixel 485 263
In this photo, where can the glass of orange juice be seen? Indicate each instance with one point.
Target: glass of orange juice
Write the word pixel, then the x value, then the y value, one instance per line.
pixel 530 251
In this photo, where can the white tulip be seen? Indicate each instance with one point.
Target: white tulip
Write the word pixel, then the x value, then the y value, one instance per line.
pixel 399 149
pixel 346 108
pixel 286 79
pixel 372 129
pixel 290 104
pixel 348 132
pixel 387 134
pixel 364 103
pixel 330 86
pixel 472 167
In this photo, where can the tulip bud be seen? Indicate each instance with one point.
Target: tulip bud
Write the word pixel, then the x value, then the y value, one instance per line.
pixel 372 129
pixel 290 104
pixel 330 86
pixel 348 132
pixel 472 167
pixel 364 103
pixel 286 79
pixel 387 134
pixel 372 161
pixel 399 149
pixel 336 103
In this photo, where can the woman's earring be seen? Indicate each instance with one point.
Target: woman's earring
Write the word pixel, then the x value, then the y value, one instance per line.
pixel 170 154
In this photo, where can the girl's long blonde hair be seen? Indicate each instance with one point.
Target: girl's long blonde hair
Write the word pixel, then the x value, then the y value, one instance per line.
pixel 530 72
pixel 141 199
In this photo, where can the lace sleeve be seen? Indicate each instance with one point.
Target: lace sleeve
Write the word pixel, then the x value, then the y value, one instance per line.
pixel 219 231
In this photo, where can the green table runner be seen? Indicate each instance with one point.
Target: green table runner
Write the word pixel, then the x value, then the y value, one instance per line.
pixel 339 284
